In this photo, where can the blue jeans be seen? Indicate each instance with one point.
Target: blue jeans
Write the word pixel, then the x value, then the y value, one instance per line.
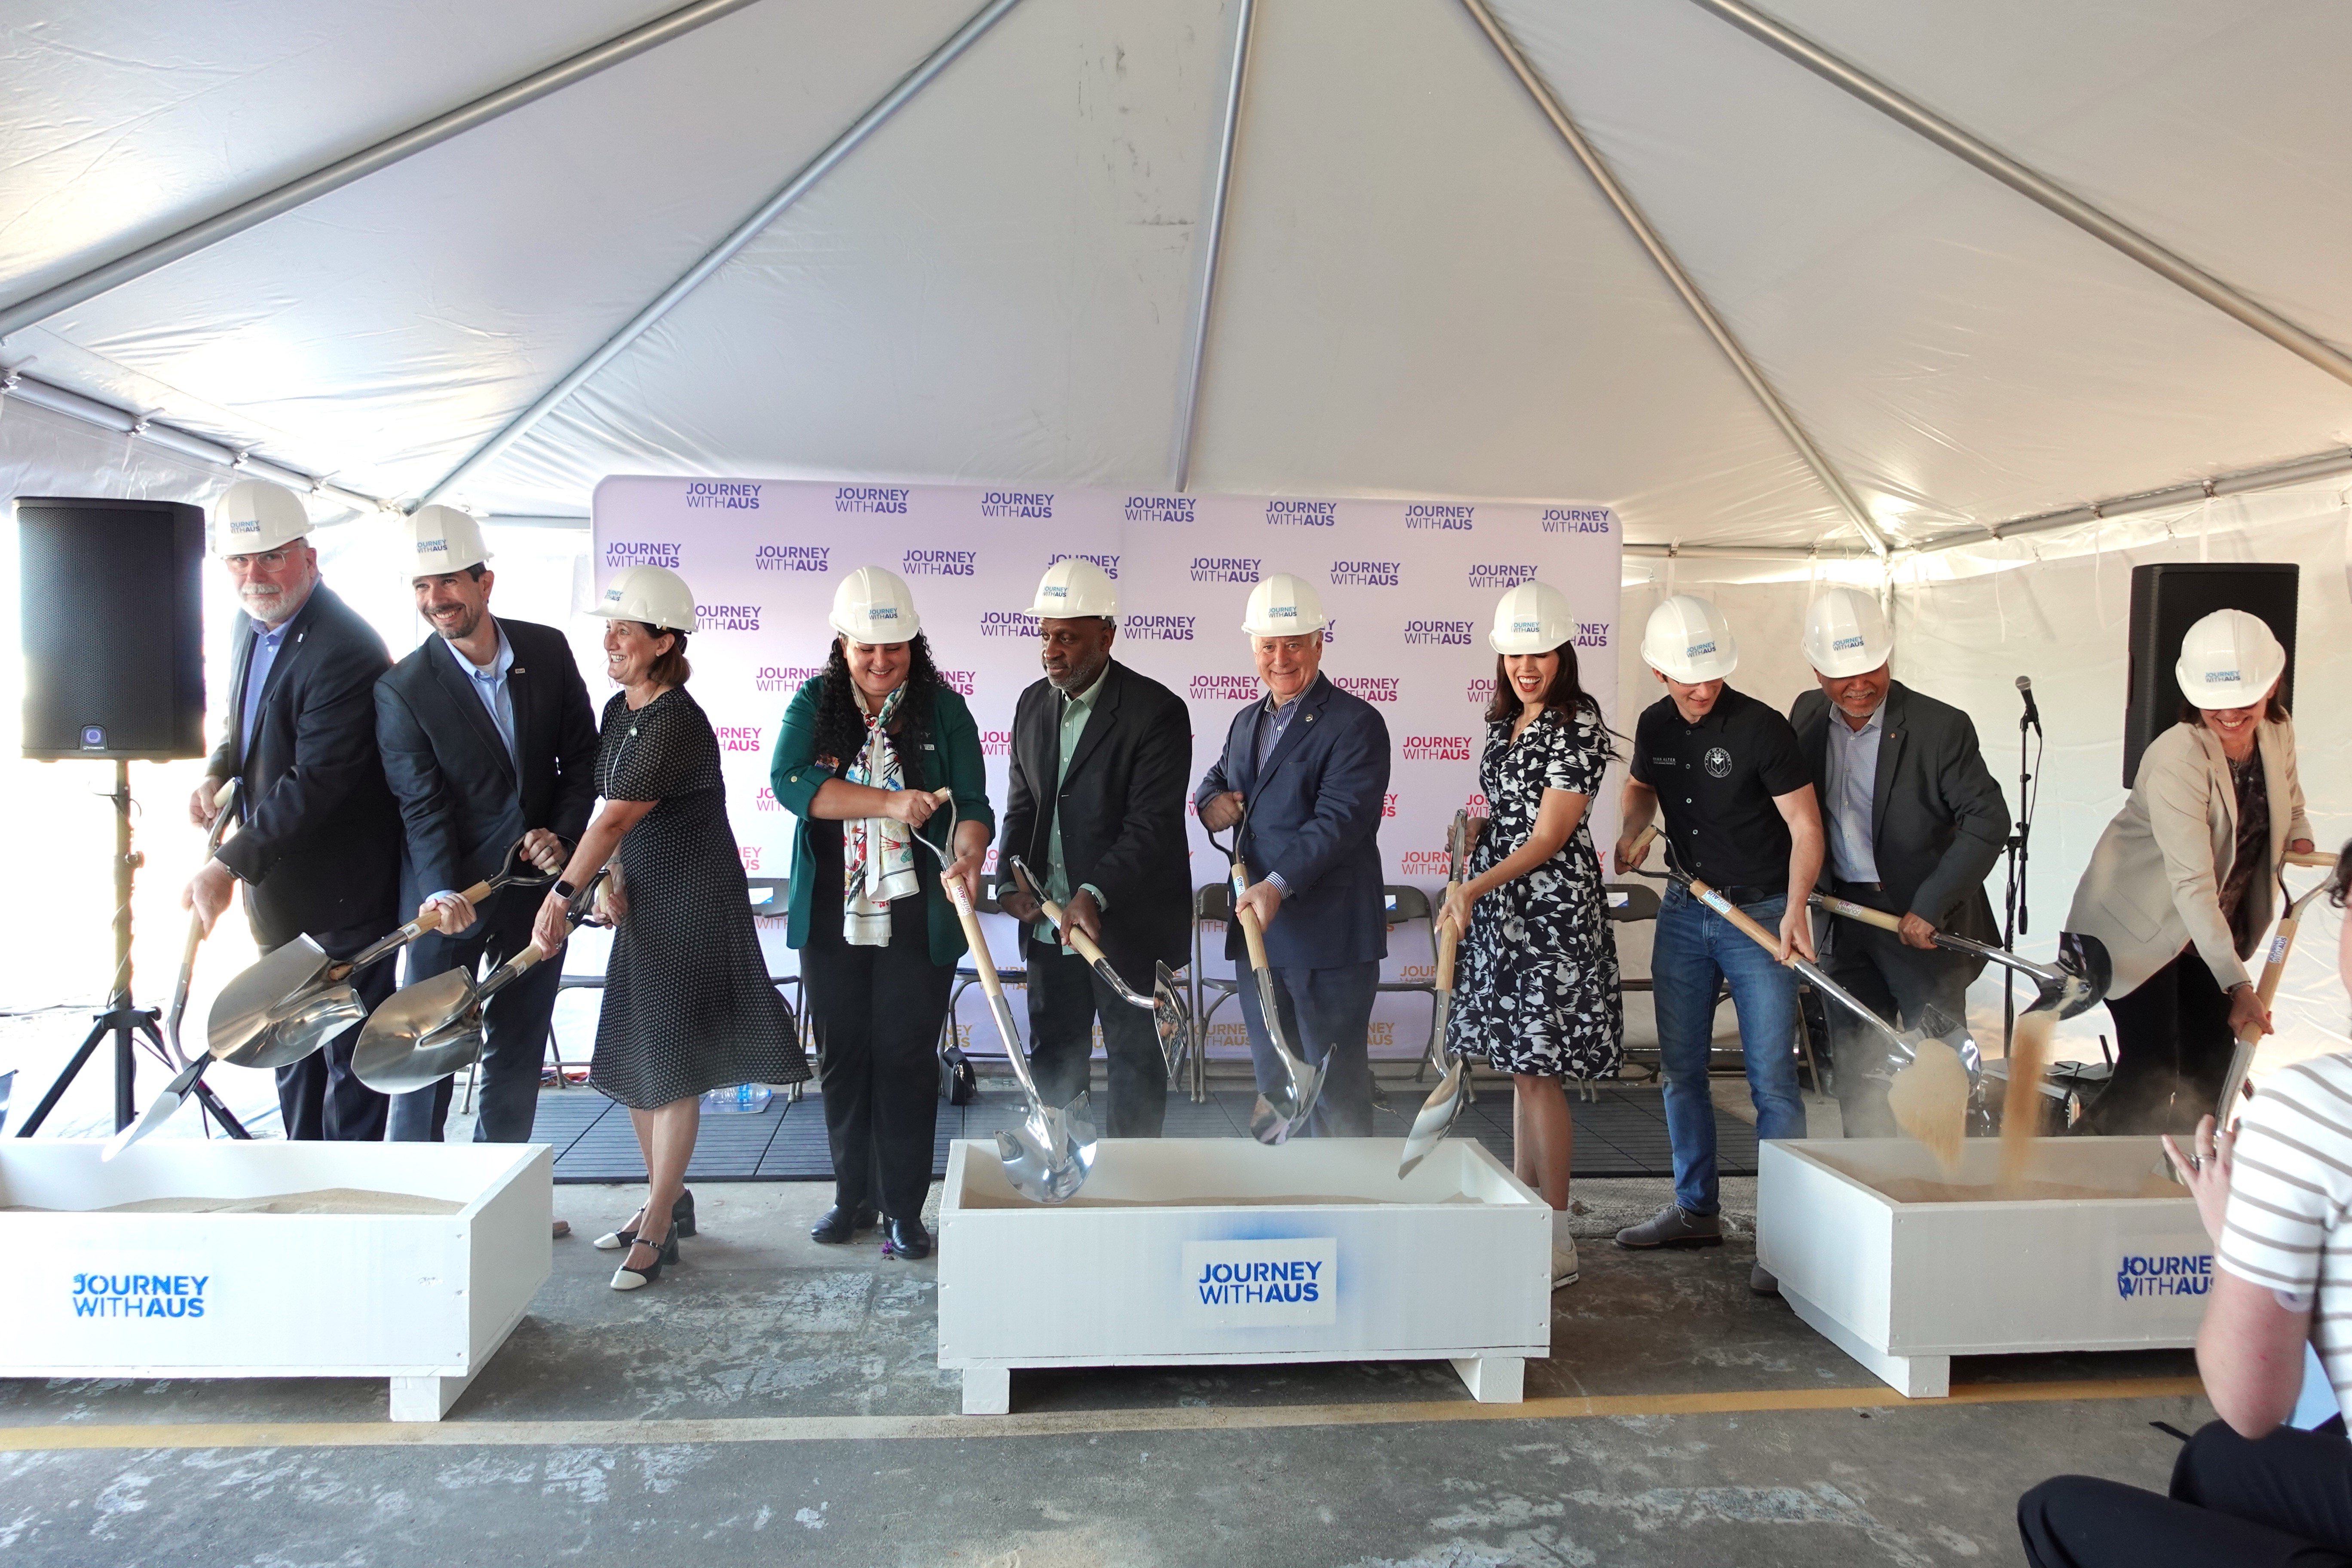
pixel 1695 948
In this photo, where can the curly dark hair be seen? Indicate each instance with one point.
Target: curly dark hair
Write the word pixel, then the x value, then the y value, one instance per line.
pixel 1566 697
pixel 841 723
pixel 2339 885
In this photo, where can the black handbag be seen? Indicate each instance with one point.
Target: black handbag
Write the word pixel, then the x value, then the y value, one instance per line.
pixel 959 1085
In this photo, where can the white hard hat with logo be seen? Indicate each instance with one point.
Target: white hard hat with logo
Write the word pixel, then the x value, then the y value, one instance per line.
pixel 1688 640
pixel 446 540
pixel 2228 659
pixel 873 605
pixel 1532 618
pixel 654 595
pixel 1075 587
pixel 254 515
pixel 1283 605
pixel 1845 633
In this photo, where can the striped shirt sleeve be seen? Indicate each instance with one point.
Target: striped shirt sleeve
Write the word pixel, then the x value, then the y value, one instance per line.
pixel 2291 1182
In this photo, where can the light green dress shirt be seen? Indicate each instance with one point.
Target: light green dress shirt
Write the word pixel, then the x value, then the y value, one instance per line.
pixel 1076 711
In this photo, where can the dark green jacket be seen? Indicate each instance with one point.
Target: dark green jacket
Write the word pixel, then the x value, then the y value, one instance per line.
pixel 954 763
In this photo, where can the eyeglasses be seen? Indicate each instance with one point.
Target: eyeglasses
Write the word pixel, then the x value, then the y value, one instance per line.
pixel 265 561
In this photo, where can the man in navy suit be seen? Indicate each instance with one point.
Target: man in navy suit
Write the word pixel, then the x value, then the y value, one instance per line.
pixel 487 741
pixel 318 852
pixel 1311 764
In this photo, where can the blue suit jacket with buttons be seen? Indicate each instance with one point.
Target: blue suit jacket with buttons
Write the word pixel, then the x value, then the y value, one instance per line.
pixel 1315 817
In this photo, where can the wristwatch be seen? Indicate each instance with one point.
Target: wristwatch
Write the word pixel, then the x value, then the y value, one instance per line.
pixel 564 889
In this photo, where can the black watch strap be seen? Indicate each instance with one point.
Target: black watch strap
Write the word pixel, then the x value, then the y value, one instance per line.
pixel 564 889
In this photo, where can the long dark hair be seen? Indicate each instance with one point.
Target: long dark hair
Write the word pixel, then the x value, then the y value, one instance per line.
pixel 841 723
pixel 1565 696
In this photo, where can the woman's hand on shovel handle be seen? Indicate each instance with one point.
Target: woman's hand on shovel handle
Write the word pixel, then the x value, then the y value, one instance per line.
pixel 1456 909
pixel 970 848
pixel 2247 1012
pixel 550 929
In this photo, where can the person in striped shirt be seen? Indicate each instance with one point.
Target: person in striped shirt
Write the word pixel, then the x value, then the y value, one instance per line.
pixel 2247 1488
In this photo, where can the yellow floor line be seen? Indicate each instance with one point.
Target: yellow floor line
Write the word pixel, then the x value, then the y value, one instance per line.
pixel 839 1428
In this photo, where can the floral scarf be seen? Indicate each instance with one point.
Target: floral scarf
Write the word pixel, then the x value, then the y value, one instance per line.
pixel 877 855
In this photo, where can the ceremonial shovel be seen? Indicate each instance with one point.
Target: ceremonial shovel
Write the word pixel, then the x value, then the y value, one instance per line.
pixel 2265 989
pixel 1281 1113
pixel 2077 983
pixel 1171 1017
pixel 1047 1157
pixel 1444 1102
pixel 425 1032
pixel 297 999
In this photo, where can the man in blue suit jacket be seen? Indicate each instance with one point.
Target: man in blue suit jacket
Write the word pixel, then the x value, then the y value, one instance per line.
pixel 1310 763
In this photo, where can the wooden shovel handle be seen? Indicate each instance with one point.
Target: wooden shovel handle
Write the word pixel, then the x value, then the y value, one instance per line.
pixel 430 920
pixel 1080 942
pixel 1446 942
pixel 1735 915
pixel 1253 933
pixel 984 963
pixel 2298 857
pixel 1862 912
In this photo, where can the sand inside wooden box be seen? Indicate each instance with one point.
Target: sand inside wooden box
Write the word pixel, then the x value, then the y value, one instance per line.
pixel 973 1200
pixel 322 1200
pixel 1917 1190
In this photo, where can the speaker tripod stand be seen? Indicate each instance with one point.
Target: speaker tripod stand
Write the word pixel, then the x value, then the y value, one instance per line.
pixel 122 1019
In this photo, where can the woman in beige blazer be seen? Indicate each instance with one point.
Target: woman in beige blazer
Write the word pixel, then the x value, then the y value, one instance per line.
pixel 2180 886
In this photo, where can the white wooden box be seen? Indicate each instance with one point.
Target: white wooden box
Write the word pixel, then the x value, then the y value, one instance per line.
pixel 1904 1287
pixel 421 1299
pixel 1172 1255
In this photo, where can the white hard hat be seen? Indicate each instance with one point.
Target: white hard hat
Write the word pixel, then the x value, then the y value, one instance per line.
pixel 873 605
pixel 654 595
pixel 1531 618
pixel 1283 605
pixel 1688 640
pixel 1845 633
pixel 254 515
pixel 1075 587
pixel 446 540
pixel 2228 659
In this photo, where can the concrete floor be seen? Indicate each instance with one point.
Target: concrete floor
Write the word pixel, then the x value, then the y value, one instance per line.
pixel 773 1396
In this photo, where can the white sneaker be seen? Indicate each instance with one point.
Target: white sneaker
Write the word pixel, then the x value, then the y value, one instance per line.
pixel 1563 1262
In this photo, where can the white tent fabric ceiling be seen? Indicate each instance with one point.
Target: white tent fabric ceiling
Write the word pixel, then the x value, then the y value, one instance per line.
pixel 1421 291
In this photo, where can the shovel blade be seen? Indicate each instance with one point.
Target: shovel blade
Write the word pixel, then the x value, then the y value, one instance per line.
pixel 159 1109
pixel 1434 1118
pixel 1171 1017
pixel 395 1064
pixel 1048 1157
pixel 2085 970
pixel 246 1005
pixel 298 1026
pixel 394 1032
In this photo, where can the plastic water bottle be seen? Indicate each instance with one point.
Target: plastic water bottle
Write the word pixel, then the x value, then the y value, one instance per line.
pixel 743 1097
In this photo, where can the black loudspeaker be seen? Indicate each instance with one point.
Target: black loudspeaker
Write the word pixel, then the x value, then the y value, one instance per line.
pixel 111 598
pixel 2166 601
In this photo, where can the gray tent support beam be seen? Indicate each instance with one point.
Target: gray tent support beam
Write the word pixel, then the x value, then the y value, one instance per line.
pixel 23 312
pixel 1745 552
pixel 37 394
pixel 865 124
pixel 1587 154
pixel 1246 22
pixel 2034 185
pixel 2274 476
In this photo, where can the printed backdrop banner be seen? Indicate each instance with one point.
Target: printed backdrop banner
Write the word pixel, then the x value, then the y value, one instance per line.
pixel 1410 587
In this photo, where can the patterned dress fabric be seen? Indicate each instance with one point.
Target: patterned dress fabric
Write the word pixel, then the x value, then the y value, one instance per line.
pixel 1535 982
pixel 687 1004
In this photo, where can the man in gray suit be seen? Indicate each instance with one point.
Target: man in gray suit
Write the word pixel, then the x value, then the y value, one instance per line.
pixel 1914 821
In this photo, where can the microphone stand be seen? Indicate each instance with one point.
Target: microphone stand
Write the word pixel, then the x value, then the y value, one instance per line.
pixel 2014 915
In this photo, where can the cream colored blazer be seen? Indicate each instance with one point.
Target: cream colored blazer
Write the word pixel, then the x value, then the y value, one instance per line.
pixel 2154 883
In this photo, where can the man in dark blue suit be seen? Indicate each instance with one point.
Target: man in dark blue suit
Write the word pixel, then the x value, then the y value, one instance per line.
pixel 318 852
pixel 487 741
pixel 1310 763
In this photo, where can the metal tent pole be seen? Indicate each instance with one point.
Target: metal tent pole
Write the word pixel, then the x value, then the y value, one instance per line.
pixel 1242 27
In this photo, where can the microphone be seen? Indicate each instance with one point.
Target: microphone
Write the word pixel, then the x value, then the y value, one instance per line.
pixel 2025 689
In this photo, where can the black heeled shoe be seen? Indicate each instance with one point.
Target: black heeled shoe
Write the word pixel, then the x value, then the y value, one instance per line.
pixel 681 1220
pixel 627 1279
pixel 905 1239
pixel 841 1223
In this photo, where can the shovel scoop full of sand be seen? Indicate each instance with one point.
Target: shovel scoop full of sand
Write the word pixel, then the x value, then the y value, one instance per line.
pixel 1930 1100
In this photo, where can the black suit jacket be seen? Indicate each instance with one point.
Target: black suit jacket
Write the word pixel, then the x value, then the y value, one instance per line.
pixel 319 849
pixel 1122 810
pixel 1937 819
pixel 460 799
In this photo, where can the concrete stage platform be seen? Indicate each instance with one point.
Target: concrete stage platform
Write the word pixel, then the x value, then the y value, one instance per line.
pixel 774 1400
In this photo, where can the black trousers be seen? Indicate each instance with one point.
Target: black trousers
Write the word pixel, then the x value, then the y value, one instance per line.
pixel 1065 997
pixel 514 1026
pixel 875 1014
pixel 319 1097
pixel 1902 985
pixel 2173 1046
pixel 2284 1499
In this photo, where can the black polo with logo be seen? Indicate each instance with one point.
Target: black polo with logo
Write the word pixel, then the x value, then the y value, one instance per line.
pixel 1716 782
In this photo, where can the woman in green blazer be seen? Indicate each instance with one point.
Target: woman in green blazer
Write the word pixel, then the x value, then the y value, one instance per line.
pixel 863 749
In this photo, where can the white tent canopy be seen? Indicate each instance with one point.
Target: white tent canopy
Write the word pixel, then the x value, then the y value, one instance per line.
pixel 1000 270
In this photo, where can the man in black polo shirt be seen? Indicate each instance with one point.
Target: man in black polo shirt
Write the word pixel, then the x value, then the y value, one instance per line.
pixel 1740 813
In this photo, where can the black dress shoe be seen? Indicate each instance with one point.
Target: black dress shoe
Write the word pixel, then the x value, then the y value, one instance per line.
pixel 905 1239
pixel 841 1224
